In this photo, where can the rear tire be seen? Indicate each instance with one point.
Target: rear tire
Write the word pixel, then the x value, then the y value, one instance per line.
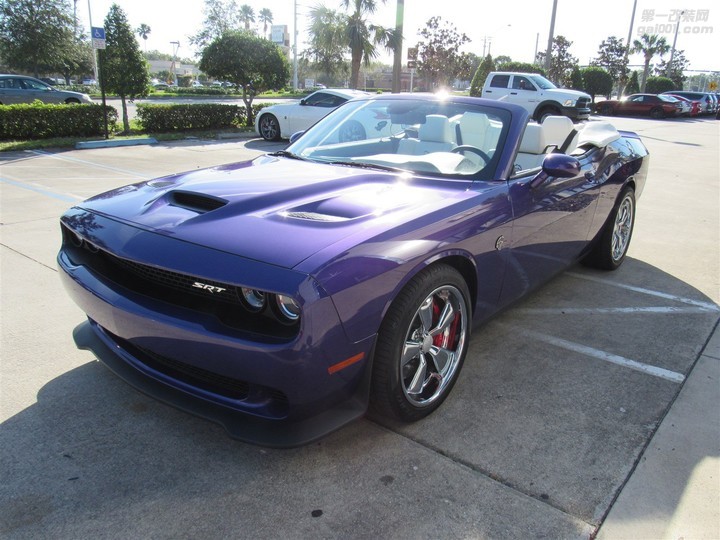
pixel 421 345
pixel 657 113
pixel 72 101
pixel 610 249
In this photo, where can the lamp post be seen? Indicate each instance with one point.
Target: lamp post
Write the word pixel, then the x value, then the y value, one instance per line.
pixel 621 87
pixel 672 51
pixel 548 54
pixel 397 59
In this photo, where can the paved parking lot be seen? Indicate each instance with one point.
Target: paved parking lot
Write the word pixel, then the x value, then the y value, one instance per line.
pixel 555 410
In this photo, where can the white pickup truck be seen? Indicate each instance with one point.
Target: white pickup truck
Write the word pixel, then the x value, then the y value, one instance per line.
pixel 537 95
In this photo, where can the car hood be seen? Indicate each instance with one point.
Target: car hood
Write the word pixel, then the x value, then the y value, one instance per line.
pixel 274 209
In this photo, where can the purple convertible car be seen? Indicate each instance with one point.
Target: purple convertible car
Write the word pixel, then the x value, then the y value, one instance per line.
pixel 285 296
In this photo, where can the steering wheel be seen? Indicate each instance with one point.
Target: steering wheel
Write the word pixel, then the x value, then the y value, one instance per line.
pixel 467 148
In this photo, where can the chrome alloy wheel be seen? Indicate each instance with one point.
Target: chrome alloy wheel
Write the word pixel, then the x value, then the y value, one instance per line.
pixel 269 127
pixel 622 229
pixel 434 345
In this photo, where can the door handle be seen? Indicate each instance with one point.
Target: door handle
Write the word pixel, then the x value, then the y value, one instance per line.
pixel 513 93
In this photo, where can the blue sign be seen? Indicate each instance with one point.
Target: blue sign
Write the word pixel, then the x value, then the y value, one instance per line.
pixel 98 33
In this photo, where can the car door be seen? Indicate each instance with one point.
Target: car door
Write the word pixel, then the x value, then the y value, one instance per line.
pixel 551 225
pixel 11 91
pixel 523 92
pixel 499 87
pixel 632 105
pixel 312 109
pixel 33 90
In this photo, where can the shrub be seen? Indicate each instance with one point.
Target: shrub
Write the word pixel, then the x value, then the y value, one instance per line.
pixel 658 85
pixel 597 81
pixel 43 120
pixel 160 118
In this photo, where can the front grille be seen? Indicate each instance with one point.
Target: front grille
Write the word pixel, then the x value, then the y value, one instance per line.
pixel 274 402
pixel 221 301
pixel 583 103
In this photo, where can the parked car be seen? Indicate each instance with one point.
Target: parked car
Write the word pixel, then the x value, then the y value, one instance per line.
pixel 284 295
pixel 692 107
pixel 657 106
pixel 21 89
pixel 282 120
pixel 707 103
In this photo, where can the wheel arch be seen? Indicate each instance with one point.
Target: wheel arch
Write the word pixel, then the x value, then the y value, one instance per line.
pixel 548 103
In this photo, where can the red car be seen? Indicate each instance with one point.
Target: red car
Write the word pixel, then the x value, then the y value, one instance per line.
pixel 654 105
pixel 694 105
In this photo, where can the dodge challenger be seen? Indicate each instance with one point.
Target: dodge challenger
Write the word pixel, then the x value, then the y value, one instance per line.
pixel 286 296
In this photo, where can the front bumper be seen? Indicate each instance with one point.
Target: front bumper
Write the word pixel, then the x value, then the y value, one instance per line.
pixel 247 428
pixel 282 392
pixel 575 113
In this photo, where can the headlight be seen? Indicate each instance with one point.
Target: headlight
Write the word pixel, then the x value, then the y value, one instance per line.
pixel 254 300
pixel 287 308
pixel 569 103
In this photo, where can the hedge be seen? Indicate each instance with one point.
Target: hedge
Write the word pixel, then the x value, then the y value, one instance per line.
pixel 44 120
pixel 158 118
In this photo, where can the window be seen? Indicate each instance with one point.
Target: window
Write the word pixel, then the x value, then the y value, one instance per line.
pixel 322 99
pixel 500 81
pixel 522 83
pixel 29 84
pixel 9 83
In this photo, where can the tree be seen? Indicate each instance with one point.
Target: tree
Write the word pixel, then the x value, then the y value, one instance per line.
pixel 266 18
pixel 327 41
pixel 658 85
pixel 597 81
pixel 576 78
pixel 612 56
pixel 561 61
pixel 144 31
pixel 246 16
pixel 220 16
pixel 34 34
pixel 439 58
pixel 363 37
pixel 523 67
pixel 633 86
pixel 124 69
pixel 674 70
pixel 76 59
pixel 501 60
pixel 253 63
pixel 649 45
pixel 485 67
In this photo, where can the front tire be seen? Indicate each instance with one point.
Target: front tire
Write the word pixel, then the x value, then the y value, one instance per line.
pixel 612 245
pixel 543 113
pixel 421 345
pixel 269 127
pixel 657 113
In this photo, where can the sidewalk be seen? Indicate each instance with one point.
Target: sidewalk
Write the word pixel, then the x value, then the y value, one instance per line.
pixel 675 490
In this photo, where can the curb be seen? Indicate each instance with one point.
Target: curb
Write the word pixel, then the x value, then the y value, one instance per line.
pixel 85 145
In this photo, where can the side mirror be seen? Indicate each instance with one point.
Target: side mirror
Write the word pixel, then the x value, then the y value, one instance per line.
pixel 558 166
pixel 295 136
pixel 302 101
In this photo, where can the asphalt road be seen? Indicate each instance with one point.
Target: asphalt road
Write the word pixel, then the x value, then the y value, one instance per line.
pixel 555 407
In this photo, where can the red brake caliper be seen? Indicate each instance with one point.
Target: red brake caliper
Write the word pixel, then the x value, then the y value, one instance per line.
pixel 446 338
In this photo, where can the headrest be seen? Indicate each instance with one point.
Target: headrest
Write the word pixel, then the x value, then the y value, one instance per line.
pixel 435 129
pixel 533 141
pixel 557 128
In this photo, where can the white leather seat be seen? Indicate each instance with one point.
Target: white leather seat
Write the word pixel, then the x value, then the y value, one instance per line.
pixel 532 148
pixel 472 128
pixel 435 135
pixel 557 129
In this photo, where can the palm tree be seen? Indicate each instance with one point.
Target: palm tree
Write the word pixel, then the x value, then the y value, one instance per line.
pixel 649 45
pixel 265 17
pixel 247 15
pixel 143 31
pixel 363 37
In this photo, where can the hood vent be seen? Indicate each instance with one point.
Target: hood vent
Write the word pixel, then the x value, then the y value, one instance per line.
pixel 313 216
pixel 195 202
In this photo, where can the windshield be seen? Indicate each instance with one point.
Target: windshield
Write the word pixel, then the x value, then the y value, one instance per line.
pixel 542 82
pixel 424 135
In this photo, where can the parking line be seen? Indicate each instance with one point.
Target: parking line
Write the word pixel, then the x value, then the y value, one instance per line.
pixel 608 357
pixel 706 305
pixel 91 164
pixel 590 311
pixel 47 193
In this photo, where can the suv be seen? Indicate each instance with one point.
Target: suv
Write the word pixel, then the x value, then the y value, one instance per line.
pixel 708 104
pixel 537 95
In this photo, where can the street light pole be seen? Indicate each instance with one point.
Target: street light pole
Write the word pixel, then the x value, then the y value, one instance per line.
pixel 627 48
pixel 548 54
pixel 397 59
pixel 295 58
pixel 672 51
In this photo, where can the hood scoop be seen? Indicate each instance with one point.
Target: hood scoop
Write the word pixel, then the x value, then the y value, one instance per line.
pixel 195 202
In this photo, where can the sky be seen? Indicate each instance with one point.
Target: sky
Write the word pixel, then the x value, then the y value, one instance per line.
pixel 511 27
